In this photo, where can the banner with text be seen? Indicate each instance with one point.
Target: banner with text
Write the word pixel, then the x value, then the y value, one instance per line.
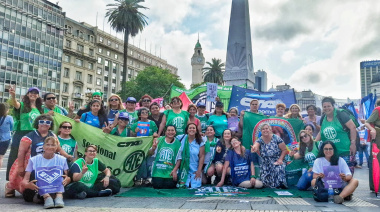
pixel 123 156
pixel 241 98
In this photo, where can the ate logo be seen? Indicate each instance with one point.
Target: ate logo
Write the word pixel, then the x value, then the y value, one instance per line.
pixel 134 161
pixel 178 122
pixel 67 148
pixel 330 133
pixel 87 176
pixel 166 154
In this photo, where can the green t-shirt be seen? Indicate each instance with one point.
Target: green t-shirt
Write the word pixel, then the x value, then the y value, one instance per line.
pixel 333 131
pixel 166 156
pixel 203 119
pixel 152 127
pixel 69 145
pixel 220 123
pixel 91 175
pixel 26 119
pixel 125 132
pixel 133 117
pixel 178 120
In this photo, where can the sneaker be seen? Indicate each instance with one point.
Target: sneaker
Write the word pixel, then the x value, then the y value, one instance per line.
pixel 81 195
pixel 338 199
pixel 9 192
pixel 138 182
pixel 49 203
pixel 58 202
pixel 105 193
pixel 148 182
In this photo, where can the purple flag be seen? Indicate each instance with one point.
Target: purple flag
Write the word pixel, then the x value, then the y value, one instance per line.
pixel 49 180
pixel 332 177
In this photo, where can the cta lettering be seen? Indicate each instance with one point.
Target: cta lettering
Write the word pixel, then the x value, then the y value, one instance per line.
pixel 129 143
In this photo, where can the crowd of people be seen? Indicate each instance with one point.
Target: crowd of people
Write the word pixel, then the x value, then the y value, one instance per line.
pixel 205 148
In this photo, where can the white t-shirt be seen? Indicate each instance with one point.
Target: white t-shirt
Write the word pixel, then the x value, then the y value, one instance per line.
pixel 40 161
pixel 319 163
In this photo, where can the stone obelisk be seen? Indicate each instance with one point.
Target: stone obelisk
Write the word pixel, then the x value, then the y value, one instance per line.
pixel 239 62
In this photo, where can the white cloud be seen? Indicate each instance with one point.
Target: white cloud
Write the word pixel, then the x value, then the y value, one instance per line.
pixel 288 56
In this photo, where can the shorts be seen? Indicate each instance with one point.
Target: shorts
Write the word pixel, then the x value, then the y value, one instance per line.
pixel 4 146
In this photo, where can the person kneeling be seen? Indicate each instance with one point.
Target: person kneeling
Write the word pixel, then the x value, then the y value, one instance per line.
pixel 47 170
pixel 241 162
pixel 328 157
pixel 87 183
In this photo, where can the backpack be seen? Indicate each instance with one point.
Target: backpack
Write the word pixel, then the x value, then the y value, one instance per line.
pixel 320 193
pixel 342 112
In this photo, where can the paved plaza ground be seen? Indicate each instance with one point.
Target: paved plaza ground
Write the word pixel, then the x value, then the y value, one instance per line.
pixel 363 201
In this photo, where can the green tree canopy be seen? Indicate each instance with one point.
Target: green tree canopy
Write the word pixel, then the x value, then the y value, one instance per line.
pixel 124 16
pixel 214 73
pixel 153 81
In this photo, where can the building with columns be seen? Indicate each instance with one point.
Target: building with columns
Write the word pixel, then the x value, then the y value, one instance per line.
pixel 93 61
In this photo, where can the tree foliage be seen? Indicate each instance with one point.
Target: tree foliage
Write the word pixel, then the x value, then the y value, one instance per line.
pixel 153 81
pixel 214 73
pixel 124 16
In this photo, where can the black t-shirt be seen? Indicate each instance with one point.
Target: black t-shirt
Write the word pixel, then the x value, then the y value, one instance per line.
pixel 158 122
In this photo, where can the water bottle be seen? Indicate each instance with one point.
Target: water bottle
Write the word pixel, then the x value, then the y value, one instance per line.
pixel 331 194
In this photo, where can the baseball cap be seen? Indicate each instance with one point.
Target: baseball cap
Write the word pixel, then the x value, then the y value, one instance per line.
pixel 201 104
pixel 131 99
pixel 124 115
pixel 33 89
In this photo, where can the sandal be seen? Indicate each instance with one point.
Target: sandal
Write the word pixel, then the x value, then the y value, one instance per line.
pixel 9 192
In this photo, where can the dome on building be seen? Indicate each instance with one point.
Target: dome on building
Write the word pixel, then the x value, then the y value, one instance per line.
pixel 198 45
pixel 376 78
pixel 272 89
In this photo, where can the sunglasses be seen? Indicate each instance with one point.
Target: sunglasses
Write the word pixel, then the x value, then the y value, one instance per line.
pixel 328 149
pixel 302 137
pixel 67 127
pixel 131 102
pixel 126 120
pixel 46 122
pixel 113 100
pixel 146 100
pixel 50 98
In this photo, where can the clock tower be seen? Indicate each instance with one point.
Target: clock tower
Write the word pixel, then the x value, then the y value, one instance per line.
pixel 197 63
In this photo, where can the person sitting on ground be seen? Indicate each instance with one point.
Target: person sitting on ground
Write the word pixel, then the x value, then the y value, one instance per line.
pixel 165 166
pixel 221 149
pixel 48 159
pixel 86 180
pixel 272 150
pixel 210 144
pixel 67 141
pixel 308 150
pixel 328 157
pixel 241 163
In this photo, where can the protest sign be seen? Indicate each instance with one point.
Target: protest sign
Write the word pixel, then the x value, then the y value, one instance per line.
pixel 122 155
pixel 49 179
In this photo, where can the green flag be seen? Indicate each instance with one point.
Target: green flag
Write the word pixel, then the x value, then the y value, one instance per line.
pixel 287 129
pixel 123 156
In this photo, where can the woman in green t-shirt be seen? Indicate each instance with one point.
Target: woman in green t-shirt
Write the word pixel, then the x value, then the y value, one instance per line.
pixel 24 114
pixel 164 151
pixel 175 116
pixel 218 120
pixel 66 140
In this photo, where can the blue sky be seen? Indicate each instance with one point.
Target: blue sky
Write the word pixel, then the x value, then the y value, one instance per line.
pixel 314 45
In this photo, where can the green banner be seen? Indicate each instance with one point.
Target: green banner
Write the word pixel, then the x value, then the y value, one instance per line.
pixel 224 93
pixel 123 156
pixel 287 129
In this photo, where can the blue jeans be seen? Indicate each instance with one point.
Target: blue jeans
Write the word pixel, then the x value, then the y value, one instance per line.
pixel 363 148
pixel 305 181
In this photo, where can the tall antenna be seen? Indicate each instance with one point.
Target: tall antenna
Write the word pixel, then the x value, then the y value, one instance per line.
pixel 96 18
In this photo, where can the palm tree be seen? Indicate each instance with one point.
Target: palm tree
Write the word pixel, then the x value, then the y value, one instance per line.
pixel 214 73
pixel 124 16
